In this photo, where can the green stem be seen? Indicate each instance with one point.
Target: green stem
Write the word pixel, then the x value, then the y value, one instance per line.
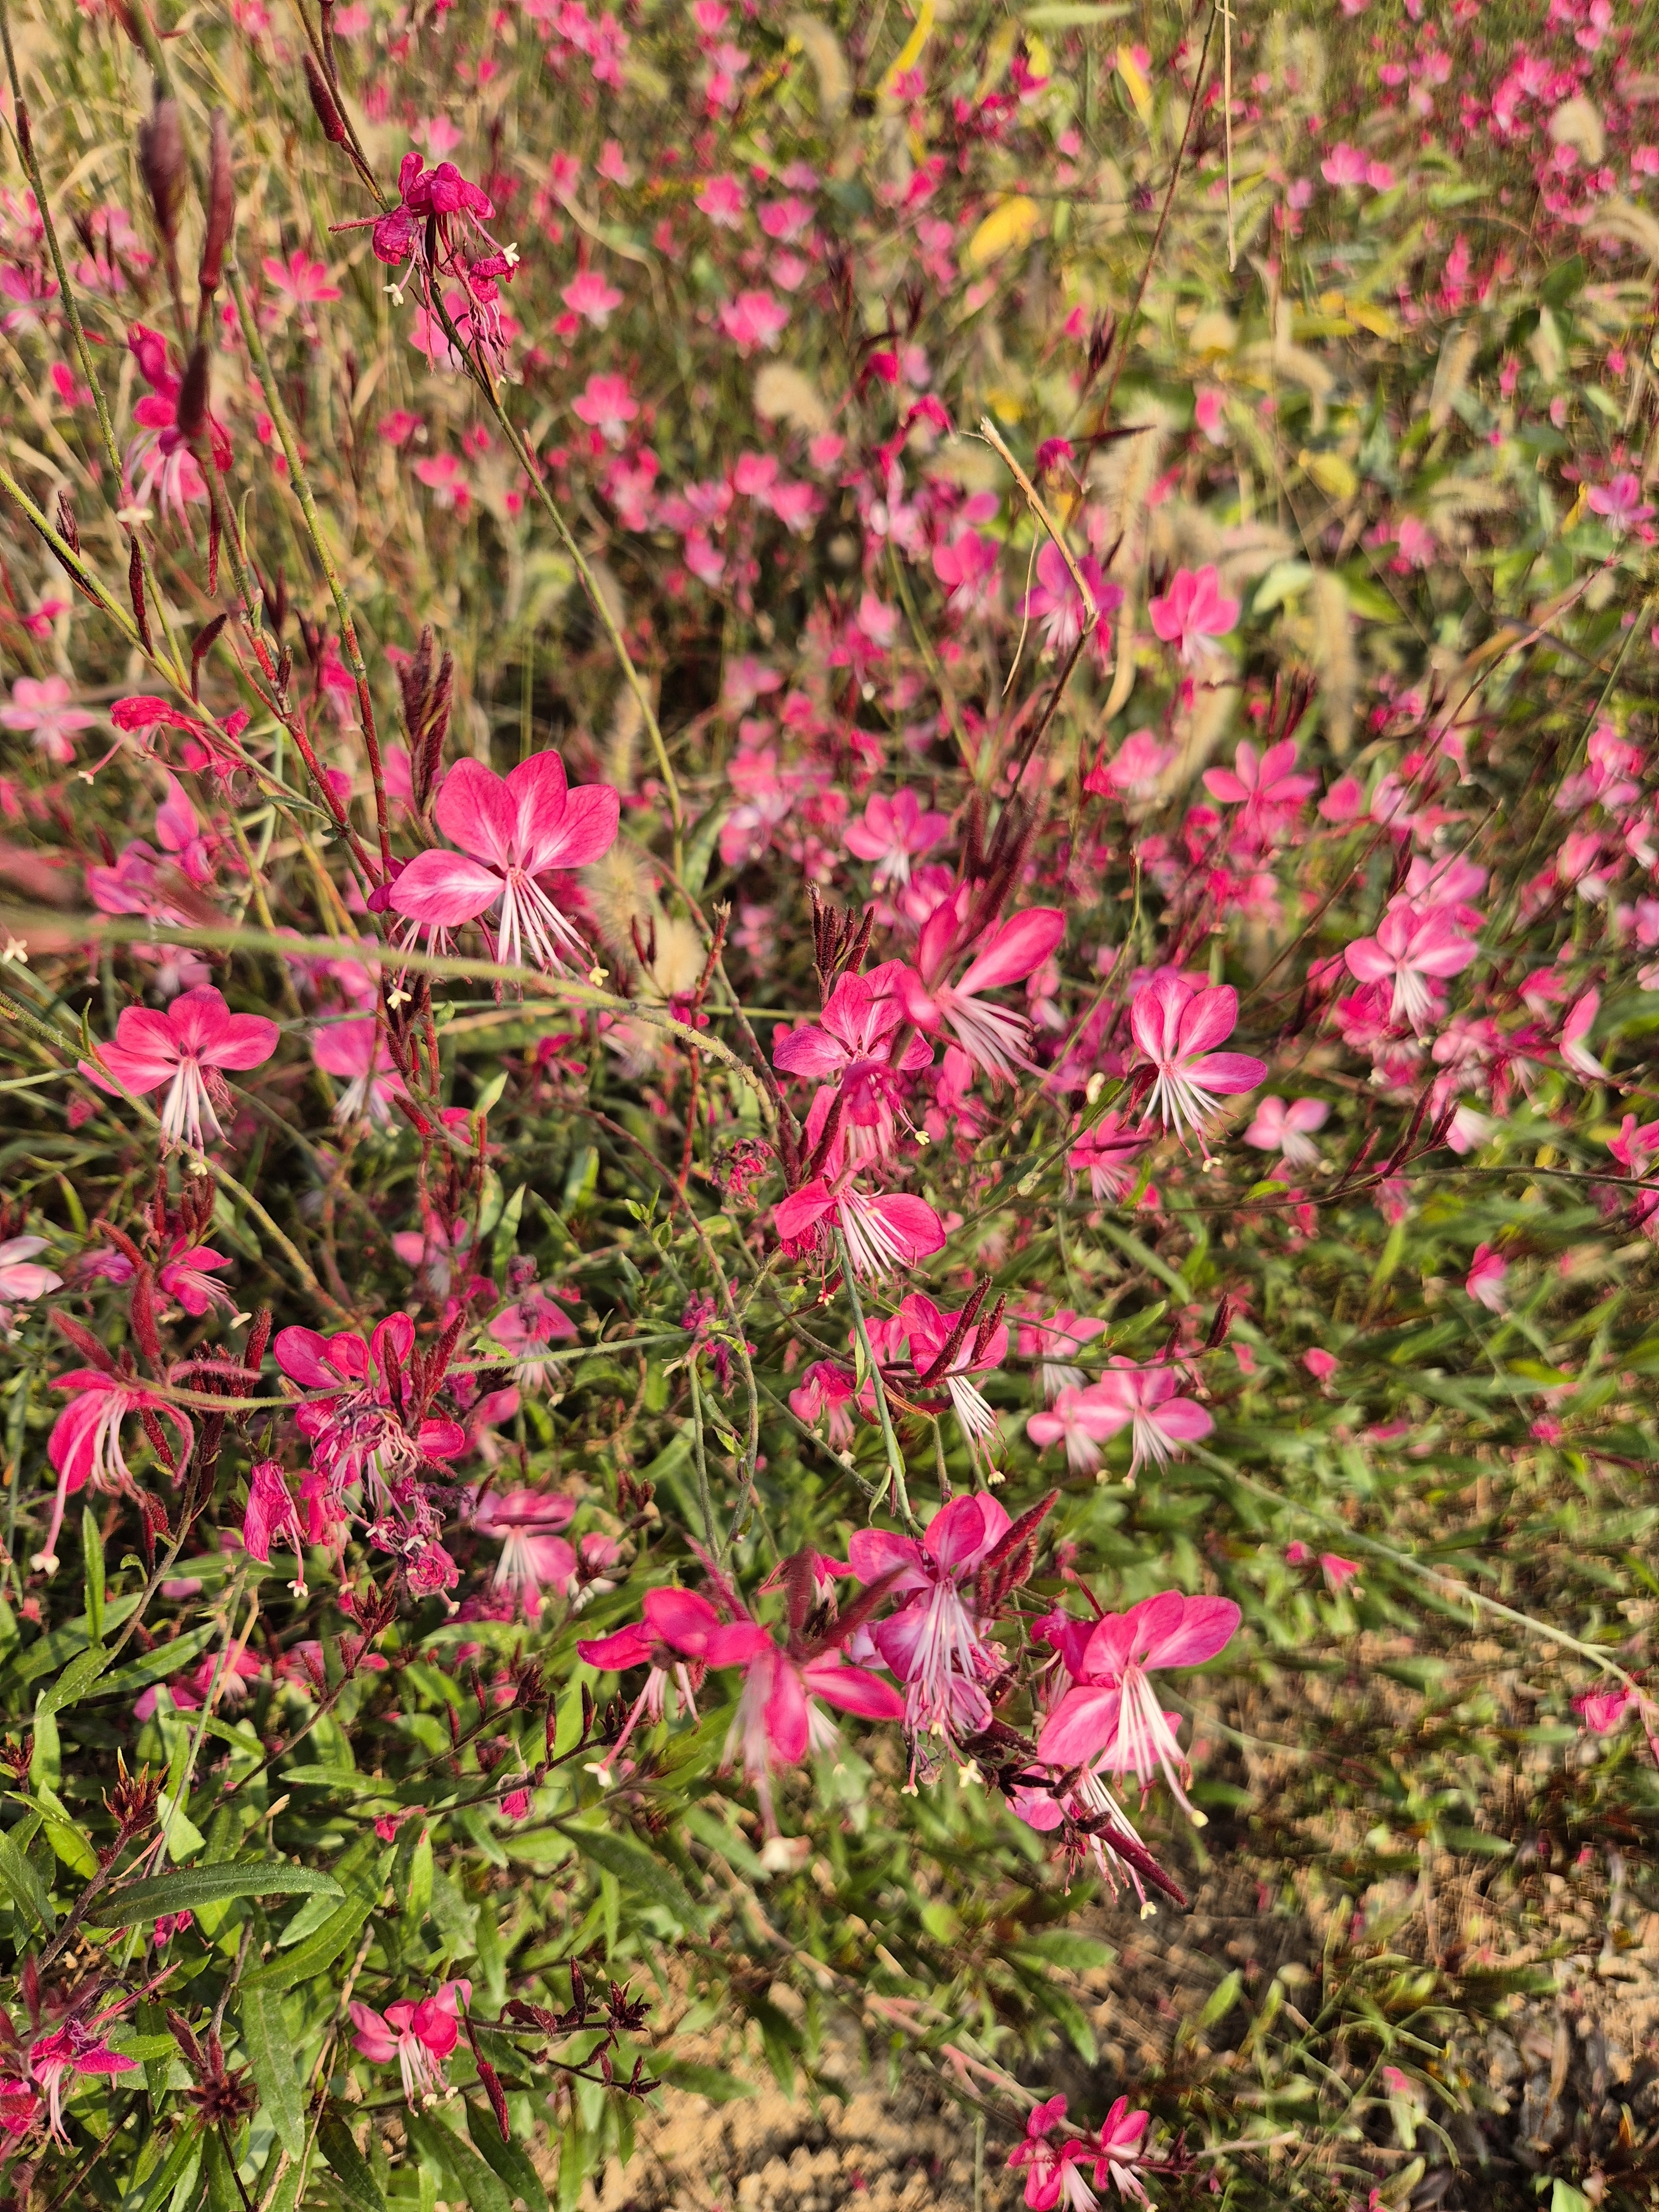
pixel 895 1456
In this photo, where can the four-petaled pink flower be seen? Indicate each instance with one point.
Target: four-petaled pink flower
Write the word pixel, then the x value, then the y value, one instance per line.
pixel 851 1040
pixel 934 1641
pixel 1053 2165
pixel 754 319
pixel 58 2061
pixel 1174 1024
pixel 512 830
pixel 186 1047
pixel 881 1232
pixel 356 1053
pixel 85 1443
pixel 1620 502
pixel 591 297
pixel 1112 1713
pixel 993 1037
pixel 1145 1400
pixel 419 2035
pixel 1193 613
pixel 892 832
pixel 1411 952
pixel 42 707
pixel 1263 784
pixel 1108 1154
pixel 968 568
pixel 1288 1129
pixel 534 1555
pixel 606 404
pixel 1062 609
pixel 1081 1419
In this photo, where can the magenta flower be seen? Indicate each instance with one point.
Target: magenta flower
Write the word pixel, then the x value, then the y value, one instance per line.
pixel 993 1037
pixel 754 319
pixel 272 1515
pixel 85 1443
pixel 1193 613
pixel 882 1232
pixel 968 569
pixel 363 1430
pixel 934 1641
pixel 186 1047
pixel 1411 952
pixel 893 832
pixel 945 1348
pixel 21 1278
pixel 526 1328
pixel 533 1554
pixel 1110 1156
pixel 1081 1419
pixel 1174 1024
pixel 1143 1399
pixel 40 709
pixel 187 1275
pixel 1112 1714
pixel 161 458
pixel 1580 1021
pixel 1052 2167
pixel 512 829
pixel 1055 600
pixel 356 1053
pixel 1620 503
pixel 851 1040
pixel 1288 1130
pixel 1263 784
pixel 1117 2150
pixel 59 2062
pixel 825 1392
pixel 606 404
pixel 419 2035
pixel 593 297
pixel 777 1723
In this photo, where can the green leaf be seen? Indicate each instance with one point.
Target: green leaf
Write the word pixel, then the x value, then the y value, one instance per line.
pixel 92 1550
pixel 193 1887
pixel 476 2184
pixel 506 2160
pixel 270 2053
pixel 72 1684
pixel 1221 2000
pixel 362 1875
pixel 349 2166
pixel 178 2159
pixel 155 1666
pixel 701 2081
pixel 638 1869
pixel 29 1892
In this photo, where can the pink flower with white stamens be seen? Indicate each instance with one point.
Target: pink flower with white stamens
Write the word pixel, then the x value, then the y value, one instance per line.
pixel 186 1047
pixel 934 1641
pixel 57 2062
pixel 1112 1714
pixel 1193 614
pixel 591 297
pixel 85 1443
pixel 1174 1024
pixel 358 1053
pixel 1288 1129
pixel 512 830
pixel 892 832
pixel 993 1037
pixel 1488 1272
pixel 41 709
pixel 883 1231
pixel 1411 952
pixel 1083 1420
pixel 1145 1400
pixel 534 1555
pixel 420 2036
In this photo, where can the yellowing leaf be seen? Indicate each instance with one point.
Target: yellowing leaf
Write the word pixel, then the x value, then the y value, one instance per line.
pixel 1135 84
pixel 1378 320
pixel 1007 406
pixel 909 53
pixel 1010 224
pixel 1334 476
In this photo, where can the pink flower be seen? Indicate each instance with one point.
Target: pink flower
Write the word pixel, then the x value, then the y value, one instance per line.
pixel 354 1051
pixel 1344 165
pixel 85 1443
pixel 187 1275
pixel 1581 1020
pixel 21 1278
pixel 1143 1399
pixel 419 2035
pixel 968 568
pixel 1174 1024
pixel 1193 613
pixel 1620 503
pixel 57 2062
pixel 825 1392
pixel 1602 1711
pixel 777 1724
pixel 363 1427
pixel 1485 1280
pixel 893 832
pixel 40 706
pixel 511 829
pixel 992 1036
pixel 881 1232
pixel 533 1554
pixel 1263 784
pixel 1288 1129
pixel 526 1328
pixel 1082 1420
pixel 723 200
pixel 1108 1155
pixel 299 281
pixel 851 1040
pixel 945 1348
pixel 1411 952
pixel 1052 1342
pixel 1117 2148
pixel 1321 1365
pixel 184 1048
pixel 1053 2175
pixel 607 404
pixel 1056 601
pixel 590 295
pixel 934 1641
pixel 272 1514
pixel 1112 1713
pixel 754 319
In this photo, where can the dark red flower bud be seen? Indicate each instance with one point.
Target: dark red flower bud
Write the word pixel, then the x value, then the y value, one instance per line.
pixel 193 394
pixel 161 160
pixel 322 98
pixel 221 204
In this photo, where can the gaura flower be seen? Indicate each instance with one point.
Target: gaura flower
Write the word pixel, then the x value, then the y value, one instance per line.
pixel 512 830
pixel 419 2035
pixel 1174 1024
pixel 186 1047
pixel 85 1443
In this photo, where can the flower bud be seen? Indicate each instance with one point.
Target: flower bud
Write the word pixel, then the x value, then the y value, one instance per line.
pixel 322 98
pixel 221 205
pixel 161 160
pixel 193 395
